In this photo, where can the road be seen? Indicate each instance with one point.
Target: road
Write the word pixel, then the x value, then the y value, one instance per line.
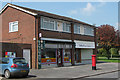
pixel 107 76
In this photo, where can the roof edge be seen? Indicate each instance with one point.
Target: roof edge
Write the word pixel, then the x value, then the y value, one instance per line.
pixel 37 14
pixel 10 5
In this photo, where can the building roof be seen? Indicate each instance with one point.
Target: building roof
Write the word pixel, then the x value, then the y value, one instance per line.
pixel 42 13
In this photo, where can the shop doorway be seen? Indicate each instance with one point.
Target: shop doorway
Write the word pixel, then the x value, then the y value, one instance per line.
pixel 78 56
pixel 60 57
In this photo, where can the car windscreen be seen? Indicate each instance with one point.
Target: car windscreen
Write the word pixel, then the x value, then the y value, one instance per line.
pixel 19 61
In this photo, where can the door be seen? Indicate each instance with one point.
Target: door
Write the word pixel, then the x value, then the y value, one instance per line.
pixel 26 55
pixel 78 56
pixel 60 57
pixel 0 66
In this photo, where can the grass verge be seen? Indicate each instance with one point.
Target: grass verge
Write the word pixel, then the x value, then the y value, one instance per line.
pixel 104 59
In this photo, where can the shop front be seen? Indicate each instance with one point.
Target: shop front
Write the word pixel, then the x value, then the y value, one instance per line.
pixel 55 53
pixel 83 51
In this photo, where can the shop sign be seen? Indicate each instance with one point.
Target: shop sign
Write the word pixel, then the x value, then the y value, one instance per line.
pixel 65 46
pixel 84 44
pixel 10 54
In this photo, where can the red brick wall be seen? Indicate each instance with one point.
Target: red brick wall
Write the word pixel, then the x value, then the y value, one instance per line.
pixel 26 28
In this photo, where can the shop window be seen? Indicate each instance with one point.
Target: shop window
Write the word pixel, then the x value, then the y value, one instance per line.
pixel 48 56
pixel 67 56
pixel 13 26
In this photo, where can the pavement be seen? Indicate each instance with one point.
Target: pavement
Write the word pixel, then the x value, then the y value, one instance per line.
pixel 72 72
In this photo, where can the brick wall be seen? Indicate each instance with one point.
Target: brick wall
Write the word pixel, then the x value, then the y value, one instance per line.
pixel 26 28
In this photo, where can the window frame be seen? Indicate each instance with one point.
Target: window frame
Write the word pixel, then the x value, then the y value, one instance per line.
pixel 12 25
pixel 49 21
pixel 55 24
pixel 78 27
pixel 90 29
pixel 65 27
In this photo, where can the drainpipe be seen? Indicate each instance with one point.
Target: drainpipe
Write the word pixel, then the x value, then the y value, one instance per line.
pixel 35 45
pixel 73 45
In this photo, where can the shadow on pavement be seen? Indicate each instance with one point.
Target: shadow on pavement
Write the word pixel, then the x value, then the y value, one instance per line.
pixel 22 78
pixel 99 69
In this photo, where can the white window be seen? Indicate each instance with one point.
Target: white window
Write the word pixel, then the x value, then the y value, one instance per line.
pixel 66 27
pixel 77 28
pixel 13 26
pixel 48 23
pixel 89 31
pixel 55 25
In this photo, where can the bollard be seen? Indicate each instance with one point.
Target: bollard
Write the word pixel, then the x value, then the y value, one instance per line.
pixel 93 62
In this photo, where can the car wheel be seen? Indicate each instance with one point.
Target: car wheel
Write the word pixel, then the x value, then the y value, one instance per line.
pixel 7 74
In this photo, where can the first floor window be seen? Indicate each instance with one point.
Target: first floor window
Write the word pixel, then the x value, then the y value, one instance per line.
pixel 66 27
pixel 77 28
pixel 89 31
pixel 48 24
pixel 13 26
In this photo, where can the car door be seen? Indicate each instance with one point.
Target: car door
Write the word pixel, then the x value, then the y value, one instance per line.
pixel 5 64
pixel 0 65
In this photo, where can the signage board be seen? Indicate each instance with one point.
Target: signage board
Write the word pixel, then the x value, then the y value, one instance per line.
pixel 84 44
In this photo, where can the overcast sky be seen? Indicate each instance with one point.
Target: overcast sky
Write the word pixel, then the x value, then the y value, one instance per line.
pixel 98 13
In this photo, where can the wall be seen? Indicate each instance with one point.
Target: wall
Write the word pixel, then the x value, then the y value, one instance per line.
pixel 55 34
pixel 26 28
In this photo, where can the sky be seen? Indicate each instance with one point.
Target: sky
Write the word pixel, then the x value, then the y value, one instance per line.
pixel 98 13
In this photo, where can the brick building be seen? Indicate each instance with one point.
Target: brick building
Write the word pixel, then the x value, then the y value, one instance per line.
pixel 49 39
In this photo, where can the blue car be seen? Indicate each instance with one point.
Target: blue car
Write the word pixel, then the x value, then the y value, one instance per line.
pixel 11 67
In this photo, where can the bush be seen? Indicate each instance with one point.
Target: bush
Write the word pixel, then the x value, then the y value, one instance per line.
pixel 102 52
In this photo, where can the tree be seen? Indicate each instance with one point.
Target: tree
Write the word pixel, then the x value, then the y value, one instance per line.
pixel 106 37
pixel 102 52
pixel 113 51
pixel 117 39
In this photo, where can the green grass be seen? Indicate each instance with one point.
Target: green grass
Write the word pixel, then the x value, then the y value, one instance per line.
pixel 104 59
